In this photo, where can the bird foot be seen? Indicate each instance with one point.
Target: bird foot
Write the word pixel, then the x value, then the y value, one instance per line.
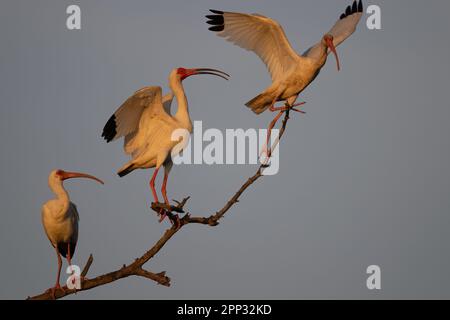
pixel 166 210
pixel 267 151
pixel 52 290
pixel 82 279
pixel 293 107
pixel 156 206
pixel 175 220
pixel 162 215
pixel 288 107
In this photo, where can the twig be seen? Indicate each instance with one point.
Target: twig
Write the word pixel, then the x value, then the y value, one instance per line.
pixel 136 268
pixel 87 266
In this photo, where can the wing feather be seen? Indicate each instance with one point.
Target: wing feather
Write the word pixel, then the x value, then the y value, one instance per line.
pixel 154 138
pixel 125 120
pixel 154 123
pixel 343 28
pixel 347 23
pixel 257 33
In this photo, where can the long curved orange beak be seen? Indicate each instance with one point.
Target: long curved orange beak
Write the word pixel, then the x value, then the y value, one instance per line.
pixel 333 49
pixel 215 72
pixel 69 175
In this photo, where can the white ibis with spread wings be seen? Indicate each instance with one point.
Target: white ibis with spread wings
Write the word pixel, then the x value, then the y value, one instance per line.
pixel 148 128
pixel 291 73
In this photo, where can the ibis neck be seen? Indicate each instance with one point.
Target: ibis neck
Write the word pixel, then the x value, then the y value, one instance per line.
pixel 182 114
pixel 323 54
pixel 59 191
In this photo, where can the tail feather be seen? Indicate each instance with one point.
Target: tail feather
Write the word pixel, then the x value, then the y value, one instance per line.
pixel 259 103
pixel 126 170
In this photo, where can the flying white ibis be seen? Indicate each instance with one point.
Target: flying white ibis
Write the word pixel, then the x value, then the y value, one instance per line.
pixel 60 218
pixel 145 121
pixel 291 73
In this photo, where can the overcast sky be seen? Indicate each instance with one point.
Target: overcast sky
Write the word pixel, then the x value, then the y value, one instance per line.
pixel 364 176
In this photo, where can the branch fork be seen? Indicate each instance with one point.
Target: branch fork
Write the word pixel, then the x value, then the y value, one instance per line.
pixel 136 267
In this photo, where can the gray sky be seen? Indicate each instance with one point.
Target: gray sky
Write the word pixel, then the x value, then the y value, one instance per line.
pixel 364 176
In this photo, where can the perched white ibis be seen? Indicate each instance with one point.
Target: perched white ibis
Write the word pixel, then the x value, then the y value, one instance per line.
pixel 291 73
pixel 145 121
pixel 60 218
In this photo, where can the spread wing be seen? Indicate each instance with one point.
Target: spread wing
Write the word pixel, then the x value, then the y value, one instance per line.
pixel 156 136
pixel 259 34
pixel 128 144
pixel 125 121
pixel 344 27
pixel 155 125
pixel 347 23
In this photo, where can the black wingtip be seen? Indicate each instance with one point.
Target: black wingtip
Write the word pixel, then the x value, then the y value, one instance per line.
pixel 348 11
pixel 110 129
pixel 354 8
pixel 217 21
pixel 216 11
pixel 216 28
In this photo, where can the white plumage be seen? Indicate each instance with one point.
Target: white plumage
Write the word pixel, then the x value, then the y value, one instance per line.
pixel 291 73
pixel 145 122
pixel 60 218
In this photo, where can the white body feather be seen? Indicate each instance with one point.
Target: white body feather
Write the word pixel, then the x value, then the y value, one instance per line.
pixel 291 73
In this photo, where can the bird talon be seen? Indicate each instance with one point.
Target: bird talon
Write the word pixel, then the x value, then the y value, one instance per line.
pixel 299 104
pixel 175 220
pixel 297 110
pixel 52 290
pixel 162 215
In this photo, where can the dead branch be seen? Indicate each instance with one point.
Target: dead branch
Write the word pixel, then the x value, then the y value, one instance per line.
pixel 136 267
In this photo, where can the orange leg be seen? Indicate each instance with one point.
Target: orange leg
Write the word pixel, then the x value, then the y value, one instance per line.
pixel 275 120
pixel 68 256
pixel 57 285
pixel 286 107
pixel 152 185
pixel 69 259
pixel 164 193
pixel 269 132
pixel 166 200
pixel 163 188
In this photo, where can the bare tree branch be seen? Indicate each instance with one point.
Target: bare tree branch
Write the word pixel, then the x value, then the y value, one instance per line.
pixel 136 267
pixel 87 266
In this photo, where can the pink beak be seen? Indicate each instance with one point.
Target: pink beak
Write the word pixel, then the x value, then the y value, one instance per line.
pixel 333 49
pixel 69 175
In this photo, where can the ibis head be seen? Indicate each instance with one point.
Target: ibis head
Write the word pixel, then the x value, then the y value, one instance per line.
pixel 184 73
pixel 62 175
pixel 328 42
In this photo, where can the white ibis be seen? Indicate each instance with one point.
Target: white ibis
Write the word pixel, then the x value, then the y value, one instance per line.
pixel 291 73
pixel 60 218
pixel 145 121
